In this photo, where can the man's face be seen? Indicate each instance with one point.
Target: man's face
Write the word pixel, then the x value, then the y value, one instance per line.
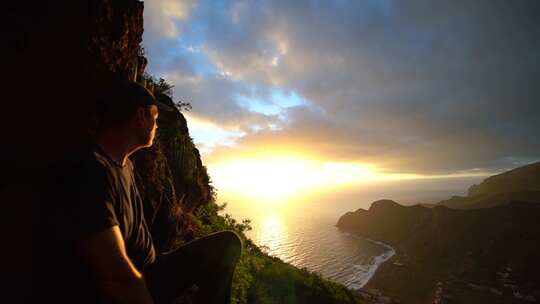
pixel 148 125
pixel 153 122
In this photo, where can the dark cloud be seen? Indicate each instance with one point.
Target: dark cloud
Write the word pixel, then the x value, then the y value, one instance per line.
pixel 415 86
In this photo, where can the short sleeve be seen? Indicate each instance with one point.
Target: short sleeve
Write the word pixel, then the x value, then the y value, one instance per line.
pixel 84 202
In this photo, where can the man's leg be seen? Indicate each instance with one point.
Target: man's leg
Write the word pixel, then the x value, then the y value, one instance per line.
pixel 208 262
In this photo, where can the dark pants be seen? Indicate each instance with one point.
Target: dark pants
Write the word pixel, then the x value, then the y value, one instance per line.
pixel 208 263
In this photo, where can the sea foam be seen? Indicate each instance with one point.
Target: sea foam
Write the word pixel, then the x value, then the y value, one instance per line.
pixel 366 272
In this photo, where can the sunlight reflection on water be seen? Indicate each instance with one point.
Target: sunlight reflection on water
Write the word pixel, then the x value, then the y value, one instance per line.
pixel 272 235
pixel 308 238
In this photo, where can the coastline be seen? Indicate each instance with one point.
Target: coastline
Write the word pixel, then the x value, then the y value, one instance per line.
pixel 376 263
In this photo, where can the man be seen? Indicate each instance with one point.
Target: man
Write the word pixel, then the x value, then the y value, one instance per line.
pixel 93 241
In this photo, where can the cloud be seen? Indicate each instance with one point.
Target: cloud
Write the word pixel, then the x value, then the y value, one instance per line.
pixel 416 86
pixel 162 16
pixel 215 98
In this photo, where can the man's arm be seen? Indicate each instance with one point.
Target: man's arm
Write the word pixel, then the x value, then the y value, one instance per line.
pixel 117 277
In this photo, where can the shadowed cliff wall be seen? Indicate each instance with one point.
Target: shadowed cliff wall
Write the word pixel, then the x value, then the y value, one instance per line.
pixel 60 53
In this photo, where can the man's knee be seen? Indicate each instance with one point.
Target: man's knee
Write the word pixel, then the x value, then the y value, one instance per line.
pixel 231 242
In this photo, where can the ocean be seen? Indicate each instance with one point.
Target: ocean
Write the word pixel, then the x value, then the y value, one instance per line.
pixel 312 240
pixel 305 234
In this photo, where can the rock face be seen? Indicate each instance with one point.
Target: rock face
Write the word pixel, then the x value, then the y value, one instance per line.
pixel 386 220
pixel 447 251
pixel 59 55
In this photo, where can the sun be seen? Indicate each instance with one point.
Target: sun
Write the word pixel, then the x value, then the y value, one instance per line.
pixel 283 177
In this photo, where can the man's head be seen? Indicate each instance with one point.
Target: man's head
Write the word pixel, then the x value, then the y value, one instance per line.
pixel 129 108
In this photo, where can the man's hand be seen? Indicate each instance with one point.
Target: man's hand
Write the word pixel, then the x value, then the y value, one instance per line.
pixel 117 277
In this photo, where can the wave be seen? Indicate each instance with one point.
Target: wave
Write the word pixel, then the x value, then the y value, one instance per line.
pixel 366 272
pixel 321 247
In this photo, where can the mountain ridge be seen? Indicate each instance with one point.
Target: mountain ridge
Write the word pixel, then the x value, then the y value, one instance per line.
pixel 519 184
pixel 521 178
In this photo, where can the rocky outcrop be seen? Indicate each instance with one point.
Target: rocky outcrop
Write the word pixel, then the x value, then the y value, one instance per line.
pixel 386 220
pixel 455 247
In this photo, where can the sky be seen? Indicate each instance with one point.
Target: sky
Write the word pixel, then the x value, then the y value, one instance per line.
pixel 350 91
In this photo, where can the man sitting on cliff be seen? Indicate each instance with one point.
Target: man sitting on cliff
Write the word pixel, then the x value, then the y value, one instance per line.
pixel 94 244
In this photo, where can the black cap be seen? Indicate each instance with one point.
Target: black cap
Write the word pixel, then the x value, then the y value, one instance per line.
pixel 120 99
pixel 126 93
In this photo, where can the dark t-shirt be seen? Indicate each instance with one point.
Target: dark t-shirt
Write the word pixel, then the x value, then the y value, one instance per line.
pixel 87 193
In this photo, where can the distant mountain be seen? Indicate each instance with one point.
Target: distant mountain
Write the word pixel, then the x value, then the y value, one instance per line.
pixel 485 249
pixel 519 179
pixel 520 184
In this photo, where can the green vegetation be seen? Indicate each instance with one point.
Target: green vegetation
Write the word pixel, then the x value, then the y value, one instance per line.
pixel 159 85
pixel 260 278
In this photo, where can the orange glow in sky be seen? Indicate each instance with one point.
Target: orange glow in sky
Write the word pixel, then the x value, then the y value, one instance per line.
pixel 272 178
pixel 280 177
